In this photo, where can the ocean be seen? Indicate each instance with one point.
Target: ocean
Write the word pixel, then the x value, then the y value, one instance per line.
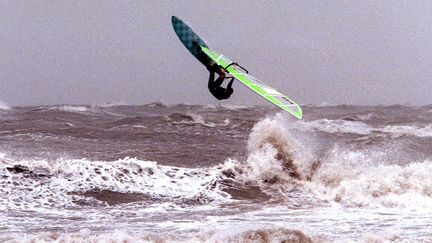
pixel 189 173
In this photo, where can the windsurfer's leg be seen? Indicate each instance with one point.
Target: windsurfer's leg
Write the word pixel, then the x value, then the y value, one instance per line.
pixel 218 82
pixel 230 84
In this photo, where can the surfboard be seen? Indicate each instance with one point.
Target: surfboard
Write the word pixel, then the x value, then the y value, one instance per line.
pixel 199 49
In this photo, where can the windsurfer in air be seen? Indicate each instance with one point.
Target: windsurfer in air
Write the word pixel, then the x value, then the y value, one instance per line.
pixel 215 85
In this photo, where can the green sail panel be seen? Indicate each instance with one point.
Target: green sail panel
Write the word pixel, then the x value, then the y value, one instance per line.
pixel 255 84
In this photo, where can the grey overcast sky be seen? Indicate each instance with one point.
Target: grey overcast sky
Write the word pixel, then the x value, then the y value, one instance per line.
pixel 334 52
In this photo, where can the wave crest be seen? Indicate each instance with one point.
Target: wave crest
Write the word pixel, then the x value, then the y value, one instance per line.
pixel 276 163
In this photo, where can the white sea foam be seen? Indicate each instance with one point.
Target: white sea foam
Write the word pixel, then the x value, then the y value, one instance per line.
pixel 198 119
pixel 72 108
pixel 68 108
pixel 365 117
pixel 362 185
pixel 192 119
pixel 59 183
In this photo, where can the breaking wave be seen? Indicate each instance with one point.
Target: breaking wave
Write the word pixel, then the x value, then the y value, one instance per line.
pixel 278 164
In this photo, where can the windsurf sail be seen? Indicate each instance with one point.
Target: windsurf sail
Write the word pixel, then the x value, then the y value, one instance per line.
pixel 259 87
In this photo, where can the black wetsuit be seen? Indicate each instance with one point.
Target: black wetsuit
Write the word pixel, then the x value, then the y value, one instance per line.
pixel 216 89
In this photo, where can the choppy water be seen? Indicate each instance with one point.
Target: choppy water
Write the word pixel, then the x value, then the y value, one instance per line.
pixel 187 173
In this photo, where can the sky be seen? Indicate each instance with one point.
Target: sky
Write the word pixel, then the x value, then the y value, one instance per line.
pixel 315 52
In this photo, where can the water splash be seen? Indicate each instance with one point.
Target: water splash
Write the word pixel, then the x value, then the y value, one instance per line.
pixel 4 106
pixel 357 178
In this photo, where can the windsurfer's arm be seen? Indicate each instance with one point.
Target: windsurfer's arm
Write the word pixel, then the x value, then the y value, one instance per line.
pixel 211 80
